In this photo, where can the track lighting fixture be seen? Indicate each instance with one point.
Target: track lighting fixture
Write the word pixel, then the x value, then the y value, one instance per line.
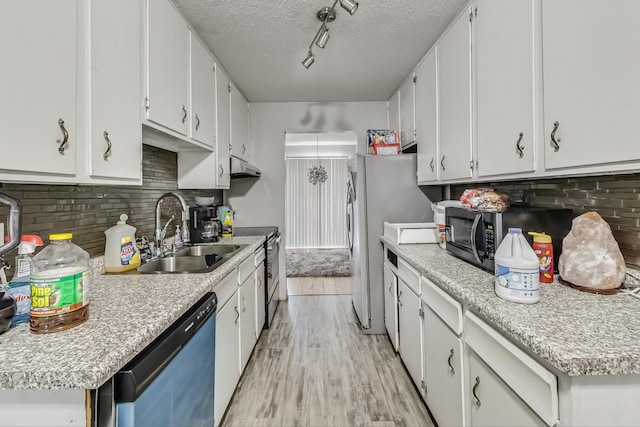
pixel 326 15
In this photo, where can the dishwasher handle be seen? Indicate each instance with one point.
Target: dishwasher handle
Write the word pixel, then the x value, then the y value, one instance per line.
pixel 132 380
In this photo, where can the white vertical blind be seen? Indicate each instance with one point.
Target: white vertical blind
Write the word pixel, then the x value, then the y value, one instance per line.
pixel 315 214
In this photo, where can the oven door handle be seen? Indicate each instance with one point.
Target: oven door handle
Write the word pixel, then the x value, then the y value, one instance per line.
pixel 474 229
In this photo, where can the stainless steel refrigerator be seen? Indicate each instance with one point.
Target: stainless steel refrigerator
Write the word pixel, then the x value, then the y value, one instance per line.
pixel 380 188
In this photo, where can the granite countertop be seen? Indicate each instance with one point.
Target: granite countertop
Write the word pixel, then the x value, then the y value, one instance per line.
pixel 126 313
pixel 576 332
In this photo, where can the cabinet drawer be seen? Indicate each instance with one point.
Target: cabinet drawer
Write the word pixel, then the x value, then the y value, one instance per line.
pixel 226 288
pixel 537 387
pixel 409 275
pixel 447 308
pixel 258 257
pixel 245 269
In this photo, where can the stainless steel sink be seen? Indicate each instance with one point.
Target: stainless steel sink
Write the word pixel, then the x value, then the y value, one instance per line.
pixel 192 259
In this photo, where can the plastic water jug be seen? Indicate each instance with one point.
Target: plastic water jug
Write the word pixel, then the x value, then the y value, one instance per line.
pixel 517 269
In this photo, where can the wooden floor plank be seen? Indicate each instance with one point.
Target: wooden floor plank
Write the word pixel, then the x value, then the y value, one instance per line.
pixel 315 367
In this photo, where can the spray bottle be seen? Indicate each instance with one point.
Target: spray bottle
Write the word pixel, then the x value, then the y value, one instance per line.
pixel 19 286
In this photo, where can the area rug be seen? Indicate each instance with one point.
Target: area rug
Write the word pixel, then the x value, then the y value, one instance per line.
pixel 318 263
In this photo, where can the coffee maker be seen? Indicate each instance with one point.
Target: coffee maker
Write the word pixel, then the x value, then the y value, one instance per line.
pixel 204 225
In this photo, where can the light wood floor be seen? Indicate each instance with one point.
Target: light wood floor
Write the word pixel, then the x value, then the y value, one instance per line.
pixel 314 367
pixel 318 286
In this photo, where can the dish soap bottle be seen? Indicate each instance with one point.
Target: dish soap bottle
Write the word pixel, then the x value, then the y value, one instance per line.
pixel 517 269
pixel 121 252
pixel 19 286
pixel 227 225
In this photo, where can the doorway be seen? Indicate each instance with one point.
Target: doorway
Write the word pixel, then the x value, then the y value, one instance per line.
pixel 316 246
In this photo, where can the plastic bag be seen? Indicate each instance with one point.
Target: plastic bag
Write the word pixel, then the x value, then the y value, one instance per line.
pixel 485 199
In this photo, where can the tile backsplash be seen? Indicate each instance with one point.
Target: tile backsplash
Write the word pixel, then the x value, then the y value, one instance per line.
pixel 87 211
pixel 615 197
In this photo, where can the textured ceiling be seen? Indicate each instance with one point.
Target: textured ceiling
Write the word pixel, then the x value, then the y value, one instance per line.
pixel 261 45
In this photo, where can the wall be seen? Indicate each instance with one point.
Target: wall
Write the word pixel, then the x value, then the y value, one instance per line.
pixel 615 197
pixel 262 201
pixel 87 211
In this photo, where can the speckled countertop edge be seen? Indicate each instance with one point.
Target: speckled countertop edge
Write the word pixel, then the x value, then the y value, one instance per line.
pixel 575 332
pixel 126 313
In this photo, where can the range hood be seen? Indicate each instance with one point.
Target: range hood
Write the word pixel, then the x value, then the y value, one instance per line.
pixel 242 169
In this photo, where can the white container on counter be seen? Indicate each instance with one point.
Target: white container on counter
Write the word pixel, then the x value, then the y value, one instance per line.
pixel 517 269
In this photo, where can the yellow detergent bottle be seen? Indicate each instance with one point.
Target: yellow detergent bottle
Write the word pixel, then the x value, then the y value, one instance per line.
pixel 121 252
pixel 227 225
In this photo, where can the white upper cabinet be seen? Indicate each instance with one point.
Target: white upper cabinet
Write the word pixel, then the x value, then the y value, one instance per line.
pixel 38 88
pixel 116 75
pixel 591 82
pixel 407 111
pixel 454 101
pixel 223 105
pixel 167 67
pixel 426 88
pixel 505 86
pixel 394 111
pixel 239 124
pixel 202 111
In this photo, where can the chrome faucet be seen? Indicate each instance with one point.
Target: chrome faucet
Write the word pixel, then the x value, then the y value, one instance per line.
pixel 161 232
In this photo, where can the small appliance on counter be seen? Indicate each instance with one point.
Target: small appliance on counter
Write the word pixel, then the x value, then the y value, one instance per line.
pixel 14 222
pixel 204 225
pixel 474 236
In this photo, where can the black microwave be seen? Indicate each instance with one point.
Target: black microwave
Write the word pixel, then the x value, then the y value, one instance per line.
pixel 475 236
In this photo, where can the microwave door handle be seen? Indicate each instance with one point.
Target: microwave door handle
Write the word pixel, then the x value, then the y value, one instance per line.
pixel 474 229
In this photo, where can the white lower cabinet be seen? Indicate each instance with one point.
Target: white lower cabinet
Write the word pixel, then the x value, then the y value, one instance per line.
pixel 247 304
pixel 227 355
pixel 390 281
pixel 410 327
pixel 261 296
pixel 492 402
pixel 443 371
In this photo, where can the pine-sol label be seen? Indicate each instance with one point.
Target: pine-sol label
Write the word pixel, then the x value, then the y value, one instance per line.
pixel 58 295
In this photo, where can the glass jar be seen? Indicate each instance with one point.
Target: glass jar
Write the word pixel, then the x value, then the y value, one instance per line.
pixel 60 284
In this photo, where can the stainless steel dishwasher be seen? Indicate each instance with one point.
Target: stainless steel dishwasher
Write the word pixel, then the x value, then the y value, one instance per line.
pixel 170 383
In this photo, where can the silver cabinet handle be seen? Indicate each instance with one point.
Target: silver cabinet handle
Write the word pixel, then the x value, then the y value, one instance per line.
pixel 431 165
pixel 107 153
pixel 442 163
pixel 475 396
pixel 554 140
pixel 390 291
pixel 65 137
pixel 402 137
pixel 453 371
pixel 184 114
pixel 243 149
pixel 221 169
pixel 259 281
pixel 519 147
pixel 237 314
pixel 244 305
pixel 197 122
pixel 399 295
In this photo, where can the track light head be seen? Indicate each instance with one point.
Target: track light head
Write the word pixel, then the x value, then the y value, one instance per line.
pixel 349 5
pixel 323 38
pixel 310 59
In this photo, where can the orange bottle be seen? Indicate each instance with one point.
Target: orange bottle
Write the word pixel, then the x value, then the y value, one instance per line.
pixel 544 250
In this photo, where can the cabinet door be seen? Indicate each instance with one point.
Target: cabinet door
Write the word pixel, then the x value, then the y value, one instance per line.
pixel 247 302
pixel 394 111
pixel 391 305
pixel 505 94
pixel 261 295
pixel 409 325
pixel 407 109
pixel 427 118
pixel 492 402
pixel 203 113
pixel 38 86
pixel 223 128
pixel 167 67
pixel 116 130
pixel 239 124
pixel 454 100
pixel 591 83
pixel 227 355
pixel 443 371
